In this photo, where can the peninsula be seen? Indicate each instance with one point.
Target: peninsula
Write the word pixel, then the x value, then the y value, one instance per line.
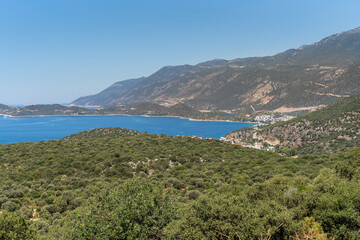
pixel 141 109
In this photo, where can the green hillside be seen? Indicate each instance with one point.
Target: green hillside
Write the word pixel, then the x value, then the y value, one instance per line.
pixel 332 129
pixel 148 109
pixel 105 133
pixel 48 109
pixel 4 107
pixel 122 184
pixel 179 110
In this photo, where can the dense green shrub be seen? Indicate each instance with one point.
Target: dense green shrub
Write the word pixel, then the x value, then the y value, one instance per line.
pixel 80 189
pixel 15 227
pixel 134 210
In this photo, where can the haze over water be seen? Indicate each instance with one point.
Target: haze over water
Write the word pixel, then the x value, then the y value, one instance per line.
pixel 33 129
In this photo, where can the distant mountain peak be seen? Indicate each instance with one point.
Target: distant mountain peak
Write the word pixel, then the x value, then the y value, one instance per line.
pixel 333 37
pixel 355 30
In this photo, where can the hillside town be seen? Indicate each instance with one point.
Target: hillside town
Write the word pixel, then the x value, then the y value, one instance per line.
pixel 261 120
pixel 271 118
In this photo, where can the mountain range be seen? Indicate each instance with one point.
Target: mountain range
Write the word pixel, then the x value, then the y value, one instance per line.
pixel 308 76
pixel 114 183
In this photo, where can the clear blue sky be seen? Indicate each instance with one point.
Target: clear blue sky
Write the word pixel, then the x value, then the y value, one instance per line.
pixel 53 51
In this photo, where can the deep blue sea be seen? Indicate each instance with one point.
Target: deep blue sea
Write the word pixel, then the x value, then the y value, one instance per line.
pixel 33 129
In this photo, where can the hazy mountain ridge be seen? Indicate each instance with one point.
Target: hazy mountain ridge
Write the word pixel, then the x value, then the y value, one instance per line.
pixel 7 110
pixel 306 76
pixel 4 107
pixel 105 97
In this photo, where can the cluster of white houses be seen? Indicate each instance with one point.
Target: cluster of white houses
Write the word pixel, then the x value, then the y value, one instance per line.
pixel 256 145
pixel 271 118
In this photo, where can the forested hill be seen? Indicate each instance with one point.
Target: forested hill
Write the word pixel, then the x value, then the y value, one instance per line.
pixel 4 109
pixel 121 184
pixel 148 109
pixel 48 109
pixel 311 75
pixel 105 133
pixel 335 128
pixel 179 110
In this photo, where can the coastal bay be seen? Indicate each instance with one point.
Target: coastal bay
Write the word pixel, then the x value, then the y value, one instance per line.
pixel 45 128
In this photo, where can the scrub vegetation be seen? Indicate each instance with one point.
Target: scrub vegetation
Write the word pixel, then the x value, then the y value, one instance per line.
pixel 123 184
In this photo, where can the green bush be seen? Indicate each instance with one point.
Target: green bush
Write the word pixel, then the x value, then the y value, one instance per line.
pixel 135 210
pixel 15 227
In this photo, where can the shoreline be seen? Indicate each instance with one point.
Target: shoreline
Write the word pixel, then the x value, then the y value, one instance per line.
pixel 94 115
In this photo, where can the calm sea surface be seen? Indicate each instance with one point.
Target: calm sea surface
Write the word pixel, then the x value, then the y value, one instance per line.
pixel 33 129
